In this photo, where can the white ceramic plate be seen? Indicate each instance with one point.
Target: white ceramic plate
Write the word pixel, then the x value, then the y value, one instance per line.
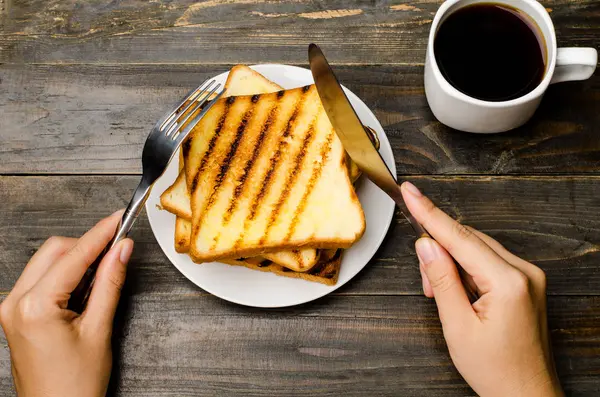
pixel 253 288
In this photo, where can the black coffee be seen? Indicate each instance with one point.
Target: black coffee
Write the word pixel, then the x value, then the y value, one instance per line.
pixel 490 52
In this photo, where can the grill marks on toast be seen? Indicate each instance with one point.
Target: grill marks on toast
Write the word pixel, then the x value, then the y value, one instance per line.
pixel 246 142
pixel 185 148
pixel 261 164
pixel 326 271
pixel 290 180
pixel 239 189
pixel 273 162
pixel 225 164
pixel 240 183
pixel 211 144
pixel 243 168
pixel 313 134
pixel 213 165
pixel 316 173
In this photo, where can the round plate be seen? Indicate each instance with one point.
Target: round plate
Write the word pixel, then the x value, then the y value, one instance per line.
pixel 253 288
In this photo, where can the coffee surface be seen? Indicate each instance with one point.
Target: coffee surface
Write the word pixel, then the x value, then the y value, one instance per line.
pixel 491 52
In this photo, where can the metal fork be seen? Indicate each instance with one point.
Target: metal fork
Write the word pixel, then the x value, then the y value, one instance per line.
pixel 162 143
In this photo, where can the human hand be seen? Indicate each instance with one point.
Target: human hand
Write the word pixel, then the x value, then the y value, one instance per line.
pixel 500 343
pixel 54 351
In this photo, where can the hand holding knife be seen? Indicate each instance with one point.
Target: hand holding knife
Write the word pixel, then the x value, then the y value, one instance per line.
pixel 356 141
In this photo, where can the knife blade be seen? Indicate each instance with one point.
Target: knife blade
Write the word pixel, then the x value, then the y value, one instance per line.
pixel 351 132
pixel 359 146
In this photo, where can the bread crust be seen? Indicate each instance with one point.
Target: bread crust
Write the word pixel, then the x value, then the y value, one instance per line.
pixel 253 253
pixel 300 143
pixel 326 271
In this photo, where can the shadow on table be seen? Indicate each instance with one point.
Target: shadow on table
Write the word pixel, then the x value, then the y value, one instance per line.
pixel 121 317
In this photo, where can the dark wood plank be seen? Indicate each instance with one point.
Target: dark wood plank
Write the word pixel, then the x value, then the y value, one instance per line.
pixel 182 345
pixel 94 119
pixel 162 31
pixel 552 221
pixel 367 338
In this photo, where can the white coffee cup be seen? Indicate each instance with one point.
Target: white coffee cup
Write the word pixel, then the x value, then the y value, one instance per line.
pixel 462 112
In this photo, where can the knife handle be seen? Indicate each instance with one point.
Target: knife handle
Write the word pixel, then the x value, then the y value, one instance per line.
pixel 420 231
pixel 396 195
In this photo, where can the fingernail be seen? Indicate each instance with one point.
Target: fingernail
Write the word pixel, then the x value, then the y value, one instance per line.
pixel 426 250
pixel 412 189
pixel 126 247
pixel 118 212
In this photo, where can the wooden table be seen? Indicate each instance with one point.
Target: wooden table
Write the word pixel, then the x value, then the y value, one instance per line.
pixel 83 82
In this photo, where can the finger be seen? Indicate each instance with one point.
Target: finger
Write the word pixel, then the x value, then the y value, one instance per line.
pixel 104 298
pixel 476 257
pixel 469 283
pixel 450 296
pixel 533 272
pixel 500 250
pixel 41 261
pixel 427 291
pixel 65 274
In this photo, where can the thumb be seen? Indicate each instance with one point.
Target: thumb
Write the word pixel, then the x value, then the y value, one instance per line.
pixel 448 291
pixel 110 278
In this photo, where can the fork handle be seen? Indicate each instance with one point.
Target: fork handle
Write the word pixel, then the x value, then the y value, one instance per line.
pixel 81 293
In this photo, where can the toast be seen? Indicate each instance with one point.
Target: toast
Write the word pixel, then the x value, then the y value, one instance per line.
pixel 176 198
pixel 268 173
pixel 241 81
pixel 326 271
pixel 183 233
pixel 183 227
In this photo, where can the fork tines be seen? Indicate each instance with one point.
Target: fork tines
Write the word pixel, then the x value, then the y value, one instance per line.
pixel 182 115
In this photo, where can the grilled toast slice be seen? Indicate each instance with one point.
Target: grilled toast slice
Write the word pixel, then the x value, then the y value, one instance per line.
pixel 268 173
pixel 183 227
pixel 176 198
pixel 241 81
pixel 183 233
pixel 326 271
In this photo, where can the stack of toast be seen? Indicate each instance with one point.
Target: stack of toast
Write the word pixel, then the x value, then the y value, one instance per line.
pixel 265 183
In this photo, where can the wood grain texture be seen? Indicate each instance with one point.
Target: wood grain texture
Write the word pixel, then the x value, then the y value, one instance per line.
pixel 552 221
pixel 95 119
pixel 251 31
pixel 190 345
pixel 81 83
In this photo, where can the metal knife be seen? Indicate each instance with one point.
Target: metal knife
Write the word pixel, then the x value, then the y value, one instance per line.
pixel 351 132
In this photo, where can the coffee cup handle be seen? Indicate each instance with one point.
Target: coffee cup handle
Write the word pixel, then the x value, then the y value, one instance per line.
pixel 573 63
